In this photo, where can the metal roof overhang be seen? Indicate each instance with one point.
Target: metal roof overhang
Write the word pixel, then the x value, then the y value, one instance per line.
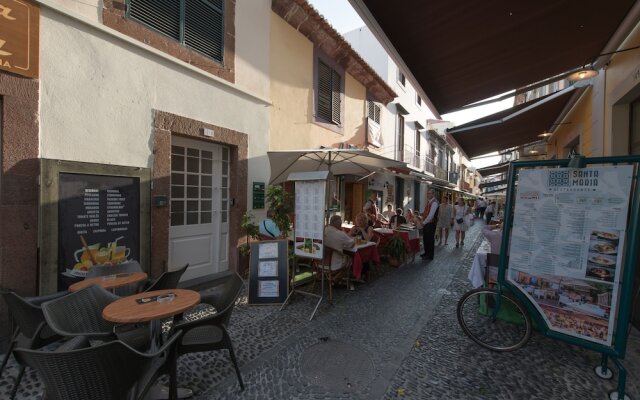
pixel 516 126
pixel 494 169
pixel 486 48
pixel 491 184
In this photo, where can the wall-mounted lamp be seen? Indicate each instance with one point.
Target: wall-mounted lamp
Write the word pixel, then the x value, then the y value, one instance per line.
pixel 545 134
pixel 584 73
pixel 533 152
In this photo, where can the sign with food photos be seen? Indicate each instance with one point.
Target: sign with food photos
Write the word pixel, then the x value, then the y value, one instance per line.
pixel 567 244
pixel 309 223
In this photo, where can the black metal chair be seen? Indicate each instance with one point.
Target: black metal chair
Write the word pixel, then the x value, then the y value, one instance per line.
pixel 126 267
pixel 80 314
pixel 210 333
pixel 109 371
pixel 168 280
pixel 31 330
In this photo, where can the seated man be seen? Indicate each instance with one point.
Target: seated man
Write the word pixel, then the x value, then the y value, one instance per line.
pixel 337 239
pixel 268 228
pixel 398 219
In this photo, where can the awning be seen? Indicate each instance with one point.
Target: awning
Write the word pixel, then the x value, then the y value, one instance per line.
pixel 338 161
pixel 494 169
pixel 510 128
pixel 468 52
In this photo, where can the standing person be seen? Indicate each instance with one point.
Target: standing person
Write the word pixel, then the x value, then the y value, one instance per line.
pixel 481 205
pixel 445 219
pixel 491 209
pixel 430 219
pixel 460 211
pixel 371 209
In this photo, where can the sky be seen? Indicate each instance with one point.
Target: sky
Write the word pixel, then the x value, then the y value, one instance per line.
pixel 344 18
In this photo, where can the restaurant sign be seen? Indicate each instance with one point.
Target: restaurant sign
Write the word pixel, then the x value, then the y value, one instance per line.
pixel 19 35
pixel 567 243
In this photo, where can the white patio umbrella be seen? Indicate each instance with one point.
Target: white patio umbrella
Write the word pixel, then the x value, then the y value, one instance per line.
pixel 336 161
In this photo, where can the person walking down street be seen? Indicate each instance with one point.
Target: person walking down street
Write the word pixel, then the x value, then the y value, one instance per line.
pixel 460 212
pixel 481 206
pixel 488 213
pixel 445 219
pixel 430 219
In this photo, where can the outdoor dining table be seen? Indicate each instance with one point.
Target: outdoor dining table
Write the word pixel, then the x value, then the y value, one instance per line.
pixel 110 282
pixel 145 307
pixel 150 307
pixel 360 254
pixel 411 238
pixel 479 265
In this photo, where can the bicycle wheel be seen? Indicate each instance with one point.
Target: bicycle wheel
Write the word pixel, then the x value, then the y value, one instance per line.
pixel 507 330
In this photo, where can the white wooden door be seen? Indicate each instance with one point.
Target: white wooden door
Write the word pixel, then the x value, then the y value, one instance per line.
pixel 199 207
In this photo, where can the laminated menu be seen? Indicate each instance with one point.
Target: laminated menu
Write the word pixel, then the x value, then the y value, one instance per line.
pixel 566 245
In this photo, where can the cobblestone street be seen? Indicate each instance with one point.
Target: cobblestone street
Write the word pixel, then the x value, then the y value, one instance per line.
pixel 396 337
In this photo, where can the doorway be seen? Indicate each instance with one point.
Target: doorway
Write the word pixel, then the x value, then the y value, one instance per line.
pixel 199 233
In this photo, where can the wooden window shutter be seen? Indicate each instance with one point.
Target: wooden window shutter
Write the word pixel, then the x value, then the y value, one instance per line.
pixel 204 27
pixel 324 91
pixel 336 92
pixel 162 15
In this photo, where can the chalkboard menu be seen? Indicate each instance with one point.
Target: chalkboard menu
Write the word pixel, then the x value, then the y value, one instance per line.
pixel 269 272
pixel 98 221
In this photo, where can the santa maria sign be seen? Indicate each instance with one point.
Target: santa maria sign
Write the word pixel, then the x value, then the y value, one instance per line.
pixel 19 35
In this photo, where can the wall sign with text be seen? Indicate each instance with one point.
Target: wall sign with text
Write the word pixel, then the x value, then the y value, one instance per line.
pixel 99 221
pixel 19 37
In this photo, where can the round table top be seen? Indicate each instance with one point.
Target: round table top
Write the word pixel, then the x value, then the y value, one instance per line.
pixel 110 281
pixel 127 310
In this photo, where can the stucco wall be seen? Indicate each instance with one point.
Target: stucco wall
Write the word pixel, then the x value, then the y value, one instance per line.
pixel 98 93
pixel 577 123
pixel 292 95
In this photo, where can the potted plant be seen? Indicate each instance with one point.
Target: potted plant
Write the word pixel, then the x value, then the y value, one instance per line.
pixel 396 251
pixel 251 231
pixel 281 207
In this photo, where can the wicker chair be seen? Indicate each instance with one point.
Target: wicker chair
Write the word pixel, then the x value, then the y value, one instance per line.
pixel 80 314
pixel 168 280
pixel 334 266
pixel 126 267
pixel 210 333
pixel 109 371
pixel 31 331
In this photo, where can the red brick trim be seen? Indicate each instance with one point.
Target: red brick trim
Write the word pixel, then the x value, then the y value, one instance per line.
pixel 18 187
pixel 113 16
pixel 165 125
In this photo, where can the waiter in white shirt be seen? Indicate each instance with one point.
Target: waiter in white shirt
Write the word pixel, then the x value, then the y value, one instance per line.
pixel 430 219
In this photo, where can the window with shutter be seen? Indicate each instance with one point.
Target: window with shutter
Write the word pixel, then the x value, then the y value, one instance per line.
pixel 198 24
pixel 373 110
pixel 329 96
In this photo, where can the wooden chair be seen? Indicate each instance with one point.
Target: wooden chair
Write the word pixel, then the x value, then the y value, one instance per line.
pixel 333 267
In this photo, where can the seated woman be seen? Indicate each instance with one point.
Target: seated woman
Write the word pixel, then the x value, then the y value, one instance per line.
pixel 413 218
pixel 268 228
pixel 362 230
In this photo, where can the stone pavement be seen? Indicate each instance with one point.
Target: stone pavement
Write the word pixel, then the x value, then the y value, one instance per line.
pixel 396 337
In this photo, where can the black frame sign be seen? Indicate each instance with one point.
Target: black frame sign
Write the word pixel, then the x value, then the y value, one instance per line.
pixel 98 221
pixel 269 272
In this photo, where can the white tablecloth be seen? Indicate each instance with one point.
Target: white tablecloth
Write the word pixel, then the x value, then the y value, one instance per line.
pixel 476 273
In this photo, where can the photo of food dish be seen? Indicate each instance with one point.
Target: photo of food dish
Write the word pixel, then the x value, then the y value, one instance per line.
pixel 604 274
pixel 606 235
pixel 602 259
pixel 308 249
pixel 604 247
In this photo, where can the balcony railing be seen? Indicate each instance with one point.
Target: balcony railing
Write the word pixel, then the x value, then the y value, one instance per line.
pixel 412 157
pixel 429 166
pixel 440 173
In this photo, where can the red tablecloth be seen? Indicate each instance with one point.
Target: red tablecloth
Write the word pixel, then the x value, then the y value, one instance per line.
pixel 413 245
pixel 361 256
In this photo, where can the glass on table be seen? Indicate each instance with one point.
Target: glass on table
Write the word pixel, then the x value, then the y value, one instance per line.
pixel 166 298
